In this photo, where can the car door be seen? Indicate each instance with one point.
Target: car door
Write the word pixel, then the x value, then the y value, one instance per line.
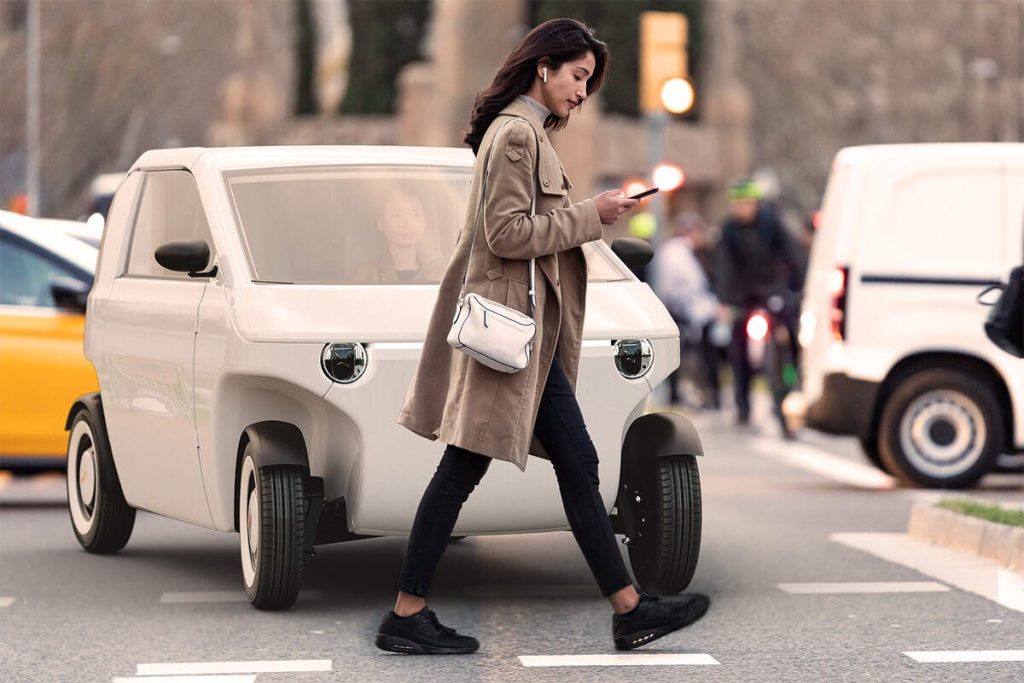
pixel 148 355
pixel 42 366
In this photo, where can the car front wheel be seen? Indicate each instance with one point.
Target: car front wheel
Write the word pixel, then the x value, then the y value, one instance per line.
pixel 100 517
pixel 271 521
pixel 661 509
pixel 940 429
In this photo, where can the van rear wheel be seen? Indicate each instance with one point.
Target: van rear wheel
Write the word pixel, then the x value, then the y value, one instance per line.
pixel 869 446
pixel 940 428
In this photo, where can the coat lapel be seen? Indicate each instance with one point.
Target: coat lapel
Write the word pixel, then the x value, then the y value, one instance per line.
pixel 548 264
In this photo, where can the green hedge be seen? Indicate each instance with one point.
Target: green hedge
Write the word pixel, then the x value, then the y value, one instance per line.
pixel 992 513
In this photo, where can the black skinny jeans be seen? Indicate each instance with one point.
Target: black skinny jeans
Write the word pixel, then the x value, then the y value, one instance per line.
pixel 561 430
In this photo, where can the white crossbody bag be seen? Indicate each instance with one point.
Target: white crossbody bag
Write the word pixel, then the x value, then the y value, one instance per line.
pixel 496 335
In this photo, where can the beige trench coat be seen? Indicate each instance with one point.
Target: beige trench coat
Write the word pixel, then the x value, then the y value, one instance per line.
pixel 455 398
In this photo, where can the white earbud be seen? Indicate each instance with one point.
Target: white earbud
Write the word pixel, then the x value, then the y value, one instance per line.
pixel 545 75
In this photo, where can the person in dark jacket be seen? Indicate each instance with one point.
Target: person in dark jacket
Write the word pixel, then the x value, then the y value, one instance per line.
pixel 756 258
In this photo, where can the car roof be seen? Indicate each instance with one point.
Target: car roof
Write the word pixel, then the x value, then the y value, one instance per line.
pixel 41 233
pixel 236 158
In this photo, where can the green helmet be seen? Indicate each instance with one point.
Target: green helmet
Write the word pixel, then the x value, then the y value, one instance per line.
pixel 745 189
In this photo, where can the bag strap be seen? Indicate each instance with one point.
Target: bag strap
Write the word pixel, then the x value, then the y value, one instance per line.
pixel 476 221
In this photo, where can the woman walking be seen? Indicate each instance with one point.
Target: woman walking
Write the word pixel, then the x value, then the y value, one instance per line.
pixel 483 414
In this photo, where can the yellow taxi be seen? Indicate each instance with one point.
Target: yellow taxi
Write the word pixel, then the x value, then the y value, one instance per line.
pixel 45 278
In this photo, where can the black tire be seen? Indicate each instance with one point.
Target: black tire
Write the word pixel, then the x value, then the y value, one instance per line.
pixel 940 428
pixel 869 446
pixel 664 526
pixel 100 517
pixel 272 571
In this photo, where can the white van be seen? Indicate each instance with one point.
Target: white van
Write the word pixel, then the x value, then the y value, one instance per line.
pixel 894 350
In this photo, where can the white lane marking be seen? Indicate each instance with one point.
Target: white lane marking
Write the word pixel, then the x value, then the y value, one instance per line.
pixel 221 596
pixel 6 601
pixel 254 667
pixel 823 463
pixel 188 679
pixel 618 660
pixel 965 570
pixel 868 587
pixel 967 656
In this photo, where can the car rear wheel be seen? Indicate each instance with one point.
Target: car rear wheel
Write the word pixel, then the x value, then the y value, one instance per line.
pixel 100 517
pixel 940 429
pixel 271 521
pixel 662 519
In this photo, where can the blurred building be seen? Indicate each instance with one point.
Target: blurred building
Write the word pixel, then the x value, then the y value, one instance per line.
pixel 783 85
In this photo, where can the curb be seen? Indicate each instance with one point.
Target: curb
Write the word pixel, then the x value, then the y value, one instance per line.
pixel 1000 542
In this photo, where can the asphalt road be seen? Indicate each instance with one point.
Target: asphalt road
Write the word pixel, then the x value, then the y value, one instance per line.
pixel 173 596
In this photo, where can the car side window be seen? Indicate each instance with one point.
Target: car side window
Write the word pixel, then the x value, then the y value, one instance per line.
pixel 170 210
pixel 26 275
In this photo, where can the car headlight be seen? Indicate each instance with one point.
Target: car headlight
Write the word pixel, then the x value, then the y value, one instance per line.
pixel 343 363
pixel 633 357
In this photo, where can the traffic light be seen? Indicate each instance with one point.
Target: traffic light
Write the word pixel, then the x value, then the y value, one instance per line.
pixel 663 38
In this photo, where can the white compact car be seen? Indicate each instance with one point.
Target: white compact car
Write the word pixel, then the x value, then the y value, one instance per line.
pixel 894 348
pixel 254 343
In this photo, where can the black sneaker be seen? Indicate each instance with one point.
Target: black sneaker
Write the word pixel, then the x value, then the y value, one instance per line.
pixel 653 618
pixel 422 634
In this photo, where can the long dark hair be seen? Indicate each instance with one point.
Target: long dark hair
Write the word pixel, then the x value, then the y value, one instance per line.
pixel 560 41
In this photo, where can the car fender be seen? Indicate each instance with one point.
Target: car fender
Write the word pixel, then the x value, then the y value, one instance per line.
pixel 92 403
pixel 277 443
pixel 656 435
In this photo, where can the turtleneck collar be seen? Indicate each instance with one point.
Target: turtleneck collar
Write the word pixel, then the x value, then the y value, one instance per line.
pixel 542 111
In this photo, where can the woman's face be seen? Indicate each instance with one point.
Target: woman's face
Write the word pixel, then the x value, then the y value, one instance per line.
pixel 401 219
pixel 567 87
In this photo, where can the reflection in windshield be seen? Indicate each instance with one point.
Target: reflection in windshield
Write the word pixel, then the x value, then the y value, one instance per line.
pixel 351 225
pixel 363 224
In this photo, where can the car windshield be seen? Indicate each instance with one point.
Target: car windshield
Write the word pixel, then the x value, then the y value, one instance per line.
pixel 361 224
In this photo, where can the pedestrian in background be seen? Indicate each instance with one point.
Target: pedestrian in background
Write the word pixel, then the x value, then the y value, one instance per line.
pixel 756 258
pixel 483 414
pixel 686 291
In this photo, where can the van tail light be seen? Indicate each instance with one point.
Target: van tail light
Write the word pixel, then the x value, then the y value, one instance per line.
pixel 837 291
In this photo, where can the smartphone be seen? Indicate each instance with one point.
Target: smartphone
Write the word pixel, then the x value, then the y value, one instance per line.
pixel 644 193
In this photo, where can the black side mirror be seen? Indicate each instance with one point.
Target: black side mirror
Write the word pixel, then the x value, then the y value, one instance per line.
pixel 634 252
pixel 185 257
pixel 69 294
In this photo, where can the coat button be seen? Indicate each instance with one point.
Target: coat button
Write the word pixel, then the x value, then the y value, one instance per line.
pixel 542 138
pixel 546 183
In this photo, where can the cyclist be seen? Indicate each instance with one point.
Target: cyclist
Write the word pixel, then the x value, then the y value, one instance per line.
pixel 757 261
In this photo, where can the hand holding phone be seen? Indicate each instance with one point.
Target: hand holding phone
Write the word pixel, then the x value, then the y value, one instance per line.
pixel 643 194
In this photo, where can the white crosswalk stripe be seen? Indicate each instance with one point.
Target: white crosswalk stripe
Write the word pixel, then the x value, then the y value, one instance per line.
pixel 866 587
pixel 250 667
pixel 619 660
pixel 960 656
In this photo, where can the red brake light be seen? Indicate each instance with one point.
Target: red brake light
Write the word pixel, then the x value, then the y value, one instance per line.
pixel 757 326
pixel 837 290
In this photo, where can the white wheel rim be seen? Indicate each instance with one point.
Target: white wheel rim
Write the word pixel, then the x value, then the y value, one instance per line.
pixel 942 433
pixel 248 521
pixel 87 476
pixel 83 489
